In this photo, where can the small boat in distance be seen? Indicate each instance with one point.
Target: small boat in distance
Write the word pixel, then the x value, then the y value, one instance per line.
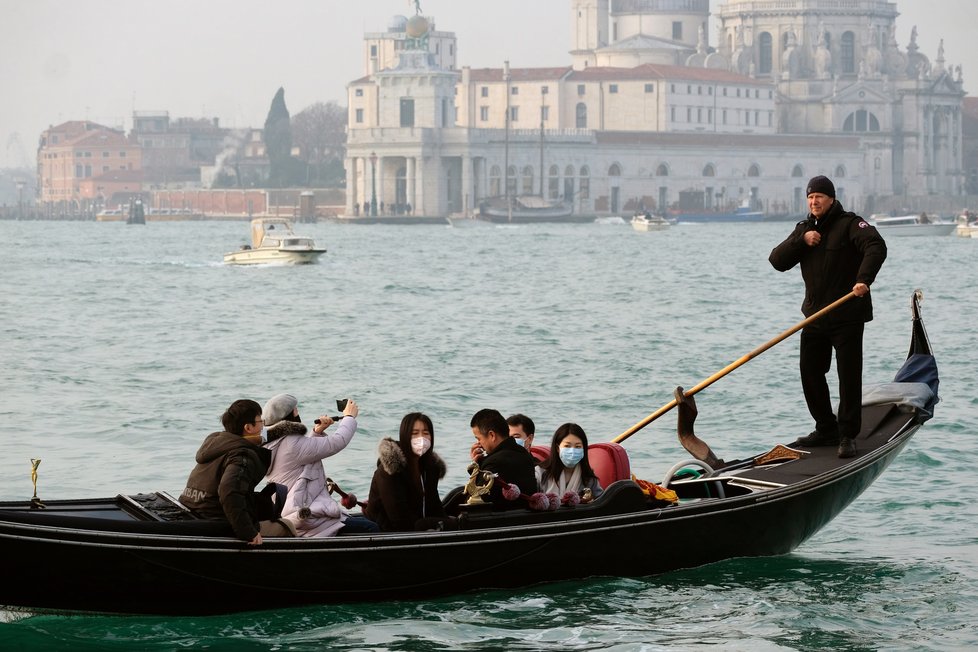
pixel 967 224
pixel 650 222
pixel 743 213
pixel 910 225
pixel 528 209
pixel 274 243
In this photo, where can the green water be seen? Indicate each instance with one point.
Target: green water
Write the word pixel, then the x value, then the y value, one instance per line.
pixel 121 345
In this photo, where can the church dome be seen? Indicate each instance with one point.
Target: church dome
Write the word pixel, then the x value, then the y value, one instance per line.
pixel 417 26
pixel 397 24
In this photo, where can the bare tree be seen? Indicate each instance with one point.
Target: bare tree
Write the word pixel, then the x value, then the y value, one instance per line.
pixel 319 131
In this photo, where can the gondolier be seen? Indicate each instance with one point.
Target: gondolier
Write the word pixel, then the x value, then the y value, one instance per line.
pixel 839 252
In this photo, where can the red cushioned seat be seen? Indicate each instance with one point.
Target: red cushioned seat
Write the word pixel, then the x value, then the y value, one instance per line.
pixel 609 461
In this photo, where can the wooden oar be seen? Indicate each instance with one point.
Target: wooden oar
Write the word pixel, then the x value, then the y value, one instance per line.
pixel 733 365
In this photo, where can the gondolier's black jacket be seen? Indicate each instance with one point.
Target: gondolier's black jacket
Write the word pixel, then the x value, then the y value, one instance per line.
pixel 851 251
pixel 222 484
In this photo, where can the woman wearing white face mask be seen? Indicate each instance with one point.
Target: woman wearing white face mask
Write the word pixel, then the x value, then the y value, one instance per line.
pixel 404 491
pixel 567 469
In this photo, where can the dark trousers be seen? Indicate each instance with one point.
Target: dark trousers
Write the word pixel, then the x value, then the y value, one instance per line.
pixel 817 342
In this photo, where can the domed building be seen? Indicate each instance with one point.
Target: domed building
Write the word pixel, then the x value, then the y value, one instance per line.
pixel 649 115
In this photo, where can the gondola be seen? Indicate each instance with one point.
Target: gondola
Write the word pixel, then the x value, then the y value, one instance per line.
pixel 145 554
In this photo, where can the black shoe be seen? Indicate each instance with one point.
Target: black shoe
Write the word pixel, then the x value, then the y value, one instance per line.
pixel 847 447
pixel 816 438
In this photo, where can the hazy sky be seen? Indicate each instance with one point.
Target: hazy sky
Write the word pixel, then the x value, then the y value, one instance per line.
pixel 100 59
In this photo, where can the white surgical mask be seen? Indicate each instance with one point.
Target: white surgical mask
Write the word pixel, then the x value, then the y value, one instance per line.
pixel 571 456
pixel 420 445
pixel 264 435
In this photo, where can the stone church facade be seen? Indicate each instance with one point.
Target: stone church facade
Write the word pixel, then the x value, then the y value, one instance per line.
pixel 648 115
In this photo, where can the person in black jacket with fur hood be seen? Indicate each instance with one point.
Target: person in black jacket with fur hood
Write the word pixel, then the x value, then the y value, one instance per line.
pixel 404 491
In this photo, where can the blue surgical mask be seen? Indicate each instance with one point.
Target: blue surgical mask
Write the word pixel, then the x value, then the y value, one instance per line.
pixel 571 456
pixel 520 441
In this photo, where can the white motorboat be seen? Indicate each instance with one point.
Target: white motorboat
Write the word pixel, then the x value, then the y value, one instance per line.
pixel 967 225
pixel 274 243
pixel 910 225
pixel 649 222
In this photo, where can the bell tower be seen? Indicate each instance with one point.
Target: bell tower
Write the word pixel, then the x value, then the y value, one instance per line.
pixel 589 30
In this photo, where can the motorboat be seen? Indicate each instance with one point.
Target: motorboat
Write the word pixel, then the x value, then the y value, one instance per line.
pixel 146 553
pixel 650 222
pixel 742 213
pixel 911 225
pixel 967 225
pixel 273 242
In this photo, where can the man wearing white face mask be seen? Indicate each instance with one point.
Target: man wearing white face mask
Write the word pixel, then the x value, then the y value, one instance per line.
pixel 404 490
pixel 568 470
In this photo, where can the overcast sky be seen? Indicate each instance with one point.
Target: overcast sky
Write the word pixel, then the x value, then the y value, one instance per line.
pixel 100 59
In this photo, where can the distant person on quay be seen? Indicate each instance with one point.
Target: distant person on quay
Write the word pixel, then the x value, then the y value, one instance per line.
pixel 839 252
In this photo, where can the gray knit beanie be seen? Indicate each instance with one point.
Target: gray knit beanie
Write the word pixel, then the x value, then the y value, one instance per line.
pixel 277 408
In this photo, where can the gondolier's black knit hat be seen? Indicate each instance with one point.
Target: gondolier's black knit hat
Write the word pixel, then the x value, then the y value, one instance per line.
pixel 821 184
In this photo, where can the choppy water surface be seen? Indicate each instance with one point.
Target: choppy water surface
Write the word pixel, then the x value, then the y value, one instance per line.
pixel 121 346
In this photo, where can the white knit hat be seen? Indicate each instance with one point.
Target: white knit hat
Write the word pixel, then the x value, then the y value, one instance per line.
pixel 277 408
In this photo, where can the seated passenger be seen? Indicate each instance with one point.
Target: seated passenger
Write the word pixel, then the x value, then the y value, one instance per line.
pixel 503 457
pixel 404 490
pixel 567 469
pixel 520 426
pixel 297 462
pixel 229 467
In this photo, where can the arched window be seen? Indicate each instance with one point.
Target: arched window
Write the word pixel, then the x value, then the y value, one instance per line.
pixel 798 171
pixel 861 120
pixel 840 172
pixel 754 170
pixel 553 183
pixel 581 112
pixel 847 53
pixel 662 170
pixel 764 54
pixel 585 183
pixel 511 179
pixel 614 170
pixel 528 180
pixel 709 170
pixel 495 181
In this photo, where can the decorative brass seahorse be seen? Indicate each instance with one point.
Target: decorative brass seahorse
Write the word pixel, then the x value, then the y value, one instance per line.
pixel 35 501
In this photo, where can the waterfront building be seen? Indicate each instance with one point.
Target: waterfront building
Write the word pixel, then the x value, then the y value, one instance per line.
pixel 649 115
pixel 175 150
pixel 79 162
